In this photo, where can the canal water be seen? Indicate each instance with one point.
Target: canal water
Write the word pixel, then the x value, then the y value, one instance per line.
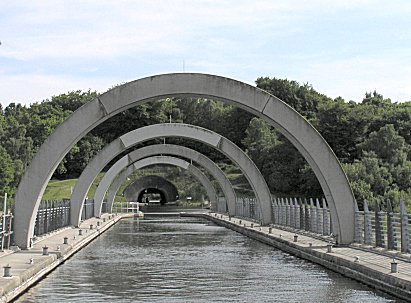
pixel 191 260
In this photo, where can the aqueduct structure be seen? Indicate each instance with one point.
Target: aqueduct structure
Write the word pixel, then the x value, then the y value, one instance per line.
pixel 286 120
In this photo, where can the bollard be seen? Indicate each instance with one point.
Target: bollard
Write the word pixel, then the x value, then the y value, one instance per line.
pixel 240 221
pixel 45 250
pixel 394 266
pixel 7 270
pixel 270 230
pixel 80 232
pixel 252 225
pixel 65 240
pixel 295 238
pixel 357 259
pixel 281 235
pixel 98 223
pixel 58 248
pixel 31 261
pixel 74 237
pixel 109 217
pixel 329 248
pixel 104 220
pixel 310 244
pixel 91 226
pixel 215 215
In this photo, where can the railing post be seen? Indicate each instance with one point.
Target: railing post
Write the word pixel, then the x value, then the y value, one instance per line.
pixel 391 241
pixel 307 224
pixel 367 225
pixel 379 241
pixel 326 219
pixel 302 214
pixel 287 213
pixel 313 216
pixel 319 217
pixel 292 217
pixel 296 213
pixel 405 236
pixel 358 227
pixel 275 210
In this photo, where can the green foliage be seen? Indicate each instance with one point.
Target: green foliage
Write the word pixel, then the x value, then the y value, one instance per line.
pixel 6 171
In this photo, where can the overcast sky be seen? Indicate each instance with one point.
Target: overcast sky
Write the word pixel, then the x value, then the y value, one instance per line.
pixel 343 48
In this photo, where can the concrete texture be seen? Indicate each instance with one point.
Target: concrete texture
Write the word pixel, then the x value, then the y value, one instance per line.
pixel 203 135
pixel 292 125
pixel 177 150
pixel 126 161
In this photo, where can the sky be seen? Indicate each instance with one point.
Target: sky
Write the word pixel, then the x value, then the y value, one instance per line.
pixel 342 48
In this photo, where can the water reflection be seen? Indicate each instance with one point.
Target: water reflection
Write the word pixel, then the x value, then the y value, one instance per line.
pixel 191 260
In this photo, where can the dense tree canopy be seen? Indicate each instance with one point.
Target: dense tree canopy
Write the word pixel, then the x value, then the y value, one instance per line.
pixel 372 138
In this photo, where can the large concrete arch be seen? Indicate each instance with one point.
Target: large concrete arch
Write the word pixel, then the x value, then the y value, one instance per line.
pixel 124 162
pixel 284 118
pixel 137 188
pixel 233 152
pixel 185 152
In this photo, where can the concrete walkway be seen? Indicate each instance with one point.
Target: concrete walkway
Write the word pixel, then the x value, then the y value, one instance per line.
pixel 29 266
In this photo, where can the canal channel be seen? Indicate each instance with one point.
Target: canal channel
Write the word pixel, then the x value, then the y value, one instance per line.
pixel 173 259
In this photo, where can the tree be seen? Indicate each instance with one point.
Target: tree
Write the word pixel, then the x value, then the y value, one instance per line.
pixel 6 171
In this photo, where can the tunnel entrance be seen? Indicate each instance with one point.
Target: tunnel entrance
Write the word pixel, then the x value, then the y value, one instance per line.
pixel 152 195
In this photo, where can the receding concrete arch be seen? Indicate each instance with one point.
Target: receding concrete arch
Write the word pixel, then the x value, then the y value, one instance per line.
pixel 233 152
pixel 284 118
pixel 185 152
pixel 137 188
pixel 124 162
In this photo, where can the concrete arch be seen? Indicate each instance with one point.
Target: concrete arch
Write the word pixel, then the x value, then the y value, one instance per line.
pixel 185 152
pixel 233 152
pixel 125 162
pixel 137 188
pixel 284 118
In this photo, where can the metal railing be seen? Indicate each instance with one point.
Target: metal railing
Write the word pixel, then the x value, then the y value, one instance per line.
pixel 247 208
pixel 88 209
pixel 384 229
pixel 125 207
pixel 6 220
pixel 303 214
pixel 52 215
pixel 221 205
